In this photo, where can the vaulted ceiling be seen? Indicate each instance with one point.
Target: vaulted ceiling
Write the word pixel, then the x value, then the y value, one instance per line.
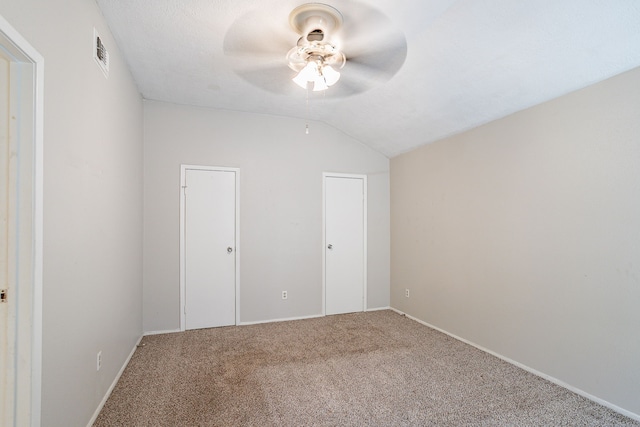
pixel 416 70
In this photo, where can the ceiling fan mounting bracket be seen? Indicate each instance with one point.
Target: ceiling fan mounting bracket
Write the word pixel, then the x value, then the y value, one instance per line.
pixel 309 17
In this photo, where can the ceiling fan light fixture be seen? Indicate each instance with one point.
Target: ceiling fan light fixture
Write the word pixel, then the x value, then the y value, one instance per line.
pixel 308 74
pixel 300 80
pixel 322 76
pixel 319 84
pixel 316 61
pixel 331 76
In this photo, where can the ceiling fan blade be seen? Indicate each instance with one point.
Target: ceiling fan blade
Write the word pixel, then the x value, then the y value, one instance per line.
pixel 258 43
pixel 256 34
pixel 375 49
pixel 348 87
pixel 385 58
pixel 368 69
pixel 275 79
pixel 354 80
pixel 365 26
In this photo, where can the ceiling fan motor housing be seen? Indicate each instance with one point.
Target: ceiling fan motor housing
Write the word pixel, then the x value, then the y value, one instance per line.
pixel 316 35
pixel 313 22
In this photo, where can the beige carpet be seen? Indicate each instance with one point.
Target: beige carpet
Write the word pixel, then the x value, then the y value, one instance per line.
pixel 362 369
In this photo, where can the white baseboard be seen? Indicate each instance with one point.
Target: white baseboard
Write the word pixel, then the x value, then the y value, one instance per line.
pixel 258 322
pixel 168 331
pixel 549 378
pixel 286 319
pixel 113 385
pixel 379 308
pixel 313 316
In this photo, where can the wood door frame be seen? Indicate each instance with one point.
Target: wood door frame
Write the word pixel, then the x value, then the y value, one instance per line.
pixel 183 218
pixel 326 175
pixel 29 373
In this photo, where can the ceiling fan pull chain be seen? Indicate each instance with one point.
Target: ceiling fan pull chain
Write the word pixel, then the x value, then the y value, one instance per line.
pixel 306 130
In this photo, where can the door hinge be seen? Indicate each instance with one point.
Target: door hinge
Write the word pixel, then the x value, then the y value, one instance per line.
pixel 3 295
pixel 184 189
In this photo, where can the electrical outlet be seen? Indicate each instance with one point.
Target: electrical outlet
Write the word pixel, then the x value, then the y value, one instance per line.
pixel 99 360
pixel 406 293
pixel 284 294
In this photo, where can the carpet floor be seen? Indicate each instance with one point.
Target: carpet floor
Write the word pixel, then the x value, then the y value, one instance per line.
pixel 361 369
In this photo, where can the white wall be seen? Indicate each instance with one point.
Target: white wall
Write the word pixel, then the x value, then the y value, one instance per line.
pixel 523 236
pixel 280 206
pixel 92 206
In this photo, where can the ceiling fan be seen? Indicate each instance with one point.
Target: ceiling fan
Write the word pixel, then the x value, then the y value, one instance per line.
pixel 359 46
pixel 313 57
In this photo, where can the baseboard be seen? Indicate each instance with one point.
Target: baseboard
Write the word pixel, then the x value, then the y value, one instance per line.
pixel 313 316
pixel 286 319
pixel 379 308
pixel 258 322
pixel 549 378
pixel 168 331
pixel 113 385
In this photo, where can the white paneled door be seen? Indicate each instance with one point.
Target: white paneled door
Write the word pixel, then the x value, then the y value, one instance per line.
pixel 345 243
pixel 209 221
pixel 21 81
pixel 7 255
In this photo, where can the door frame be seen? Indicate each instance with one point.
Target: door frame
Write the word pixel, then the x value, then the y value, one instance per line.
pixel 183 272
pixel 29 321
pixel 326 175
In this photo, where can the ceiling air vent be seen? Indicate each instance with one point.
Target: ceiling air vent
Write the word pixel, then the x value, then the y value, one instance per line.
pixel 100 53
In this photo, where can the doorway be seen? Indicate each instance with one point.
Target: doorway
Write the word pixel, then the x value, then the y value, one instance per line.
pixel 21 129
pixel 345 243
pixel 209 261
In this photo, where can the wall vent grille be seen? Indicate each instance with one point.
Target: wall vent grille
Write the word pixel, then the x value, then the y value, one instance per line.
pixel 100 53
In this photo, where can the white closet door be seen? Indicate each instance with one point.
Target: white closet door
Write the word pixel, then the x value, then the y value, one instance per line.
pixel 210 260
pixel 345 244
pixel 7 254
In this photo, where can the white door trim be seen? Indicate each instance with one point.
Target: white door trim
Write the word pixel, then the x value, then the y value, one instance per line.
pixel 324 236
pixel 24 53
pixel 183 296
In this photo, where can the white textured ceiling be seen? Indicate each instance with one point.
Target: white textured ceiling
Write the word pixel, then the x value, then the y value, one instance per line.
pixel 467 62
